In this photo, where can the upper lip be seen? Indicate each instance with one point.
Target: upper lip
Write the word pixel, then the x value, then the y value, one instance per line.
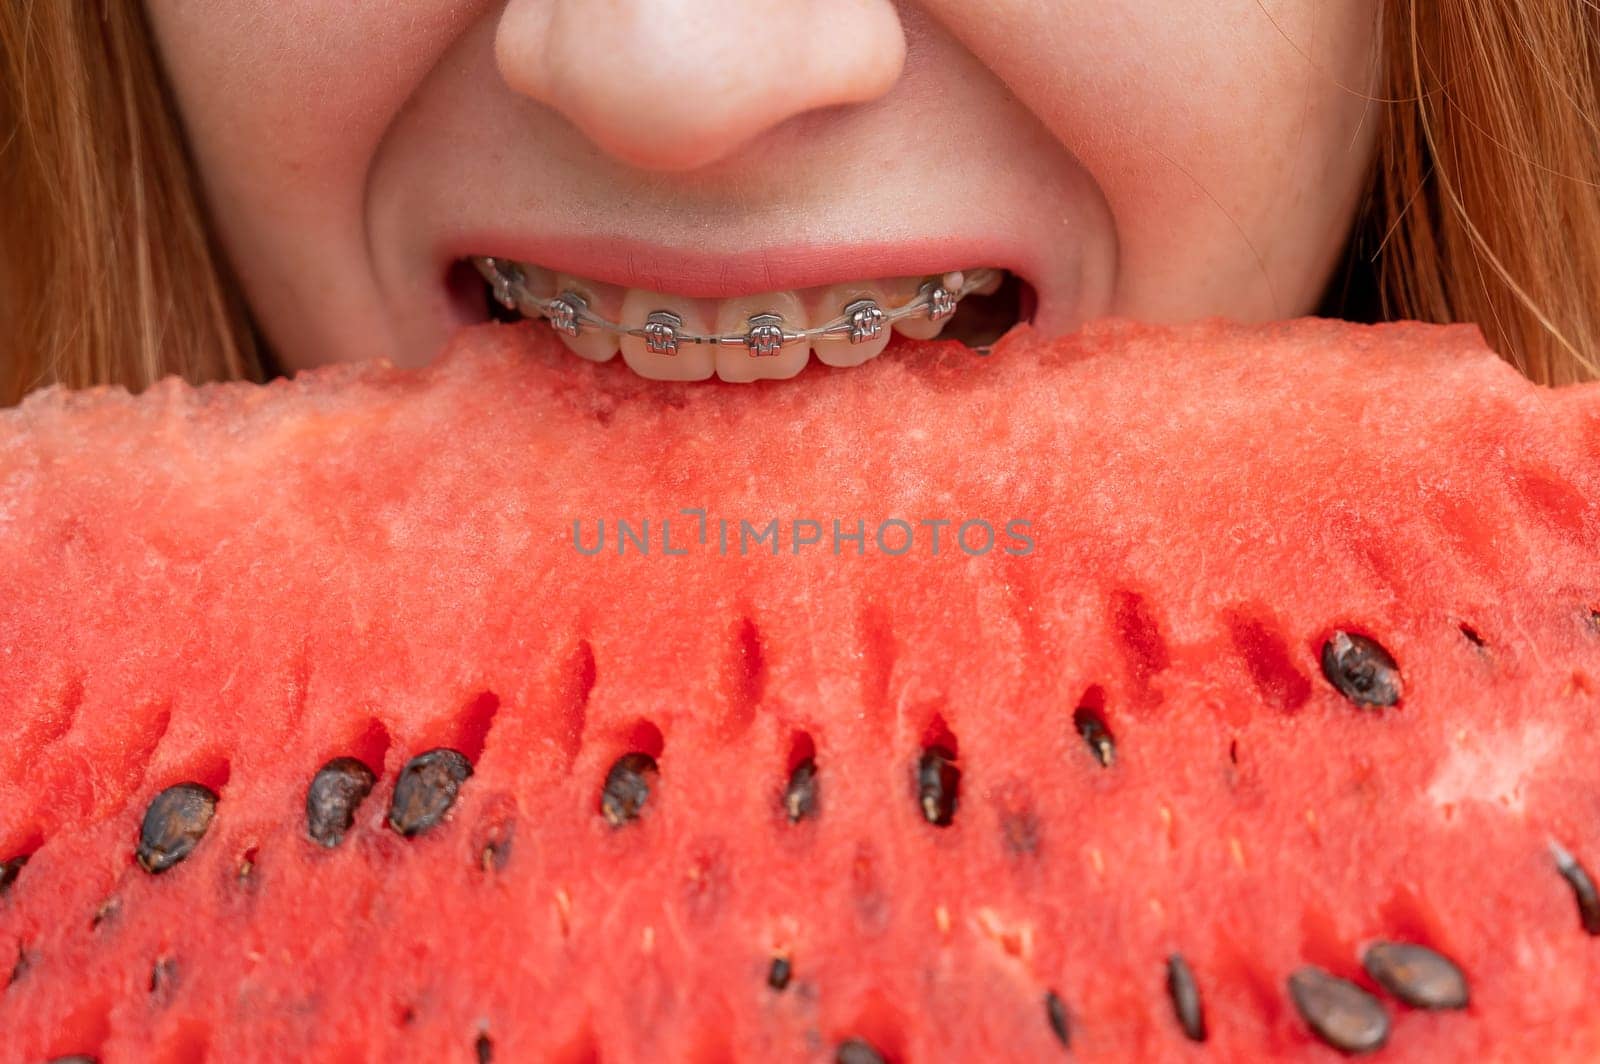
pixel 709 274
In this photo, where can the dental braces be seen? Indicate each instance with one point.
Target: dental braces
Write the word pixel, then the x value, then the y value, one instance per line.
pixel 861 321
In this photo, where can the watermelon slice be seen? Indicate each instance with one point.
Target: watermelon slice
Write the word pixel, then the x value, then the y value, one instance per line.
pixel 521 709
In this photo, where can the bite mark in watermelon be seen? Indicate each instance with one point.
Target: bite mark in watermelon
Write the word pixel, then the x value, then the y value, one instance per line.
pixel 1299 670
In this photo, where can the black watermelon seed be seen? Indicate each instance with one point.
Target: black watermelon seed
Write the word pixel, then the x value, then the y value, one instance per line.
pixel 426 790
pixel 778 975
pixel 9 870
pixel 1055 1010
pixel 856 1051
pixel 484 1049
pixel 1097 735
pixel 1185 998
pixel 1361 670
pixel 1337 1011
pixel 938 786
pixel 336 790
pixel 174 824
pixel 800 796
pixel 1417 975
pixel 627 788
pixel 1582 885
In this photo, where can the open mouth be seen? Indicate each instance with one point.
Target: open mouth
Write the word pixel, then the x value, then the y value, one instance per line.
pixel 750 337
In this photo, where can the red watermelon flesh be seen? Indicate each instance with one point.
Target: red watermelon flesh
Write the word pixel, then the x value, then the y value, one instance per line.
pixel 1143 757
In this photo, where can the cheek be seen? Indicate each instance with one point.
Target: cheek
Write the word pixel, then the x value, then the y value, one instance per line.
pixel 1234 98
pixel 1228 138
pixel 1239 163
pixel 296 89
pixel 285 105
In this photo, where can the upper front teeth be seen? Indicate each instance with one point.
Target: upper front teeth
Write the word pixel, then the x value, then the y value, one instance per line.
pixel 759 328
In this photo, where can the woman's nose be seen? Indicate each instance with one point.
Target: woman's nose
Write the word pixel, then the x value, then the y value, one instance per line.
pixel 676 84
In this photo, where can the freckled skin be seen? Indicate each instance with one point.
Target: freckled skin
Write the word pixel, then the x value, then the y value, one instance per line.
pixel 1160 159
